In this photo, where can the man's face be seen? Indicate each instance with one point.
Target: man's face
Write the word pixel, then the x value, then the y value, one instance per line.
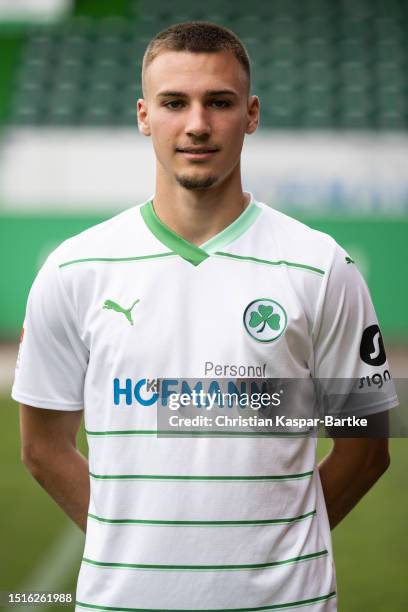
pixel 197 110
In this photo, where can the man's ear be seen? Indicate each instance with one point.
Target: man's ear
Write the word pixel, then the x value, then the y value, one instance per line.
pixel 142 117
pixel 253 114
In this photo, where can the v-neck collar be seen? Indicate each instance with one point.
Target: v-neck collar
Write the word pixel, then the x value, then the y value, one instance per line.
pixel 189 251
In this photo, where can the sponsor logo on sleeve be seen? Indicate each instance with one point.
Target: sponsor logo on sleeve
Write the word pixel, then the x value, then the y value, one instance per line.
pixel 372 349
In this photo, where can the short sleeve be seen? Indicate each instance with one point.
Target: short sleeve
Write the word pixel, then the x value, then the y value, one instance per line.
pixel 52 360
pixel 348 347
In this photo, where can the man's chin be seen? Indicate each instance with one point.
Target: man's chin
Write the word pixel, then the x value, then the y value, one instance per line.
pixel 196 182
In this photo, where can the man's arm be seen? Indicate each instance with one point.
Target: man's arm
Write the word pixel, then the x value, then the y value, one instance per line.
pixel 349 471
pixel 48 450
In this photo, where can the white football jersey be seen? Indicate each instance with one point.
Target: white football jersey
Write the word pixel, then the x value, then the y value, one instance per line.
pixel 223 522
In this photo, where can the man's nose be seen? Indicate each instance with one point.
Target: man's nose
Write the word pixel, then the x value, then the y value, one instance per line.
pixel 198 124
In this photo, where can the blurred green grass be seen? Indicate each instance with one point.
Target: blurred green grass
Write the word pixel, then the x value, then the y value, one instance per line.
pixel 31 521
pixel 370 545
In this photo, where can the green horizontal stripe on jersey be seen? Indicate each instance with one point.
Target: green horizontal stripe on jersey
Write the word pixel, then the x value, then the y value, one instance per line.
pixel 281 521
pixel 279 262
pixel 215 433
pixel 116 259
pixel 207 568
pixel 281 606
pixel 201 478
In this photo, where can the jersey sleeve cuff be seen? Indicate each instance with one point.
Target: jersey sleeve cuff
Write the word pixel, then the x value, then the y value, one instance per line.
pixel 49 404
pixel 381 406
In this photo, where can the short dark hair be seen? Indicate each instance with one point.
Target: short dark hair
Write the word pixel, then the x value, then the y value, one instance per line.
pixel 197 37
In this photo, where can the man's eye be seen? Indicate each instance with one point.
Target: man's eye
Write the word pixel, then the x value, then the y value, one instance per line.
pixel 220 103
pixel 174 104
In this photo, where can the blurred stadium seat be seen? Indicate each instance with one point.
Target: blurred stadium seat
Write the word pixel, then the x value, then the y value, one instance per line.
pixel 332 64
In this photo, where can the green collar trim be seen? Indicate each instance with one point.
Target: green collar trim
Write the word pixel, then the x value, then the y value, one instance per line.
pixel 233 231
pixel 173 241
pixel 189 251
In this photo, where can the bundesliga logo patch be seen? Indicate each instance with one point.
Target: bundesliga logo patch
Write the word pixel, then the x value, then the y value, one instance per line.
pixel 265 320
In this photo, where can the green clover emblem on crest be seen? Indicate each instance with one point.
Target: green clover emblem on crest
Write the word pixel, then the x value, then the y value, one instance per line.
pixel 263 316
pixel 265 320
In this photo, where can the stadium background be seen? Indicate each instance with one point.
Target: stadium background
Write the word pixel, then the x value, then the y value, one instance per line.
pixel 332 150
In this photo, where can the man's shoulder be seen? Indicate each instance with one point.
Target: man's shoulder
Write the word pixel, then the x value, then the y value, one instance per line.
pixel 121 236
pixel 295 229
pixel 294 240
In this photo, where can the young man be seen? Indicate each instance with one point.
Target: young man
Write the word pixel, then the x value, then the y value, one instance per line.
pixel 202 274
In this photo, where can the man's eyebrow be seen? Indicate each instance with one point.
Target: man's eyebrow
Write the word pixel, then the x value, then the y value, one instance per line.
pixel 173 94
pixel 208 92
pixel 221 92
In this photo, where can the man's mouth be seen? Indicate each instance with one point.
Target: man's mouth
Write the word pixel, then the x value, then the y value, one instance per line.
pixel 197 152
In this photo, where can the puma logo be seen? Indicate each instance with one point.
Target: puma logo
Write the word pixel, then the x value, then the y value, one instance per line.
pixel 111 305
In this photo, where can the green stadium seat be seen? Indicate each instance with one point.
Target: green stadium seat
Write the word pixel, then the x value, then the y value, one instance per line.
pixel 389 50
pixel 390 73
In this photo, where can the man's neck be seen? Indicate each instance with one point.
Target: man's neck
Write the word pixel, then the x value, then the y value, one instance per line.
pixel 198 215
